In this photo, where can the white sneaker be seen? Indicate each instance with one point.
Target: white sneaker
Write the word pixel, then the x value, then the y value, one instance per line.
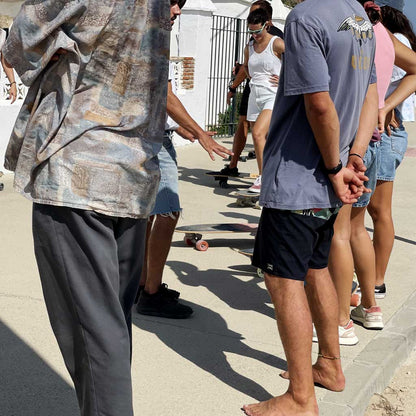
pixel 256 187
pixel 346 334
pixel 371 318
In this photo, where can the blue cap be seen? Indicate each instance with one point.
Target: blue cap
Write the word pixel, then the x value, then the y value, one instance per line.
pixel 397 4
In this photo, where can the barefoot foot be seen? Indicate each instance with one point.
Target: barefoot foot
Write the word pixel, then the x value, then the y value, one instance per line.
pixel 326 376
pixel 283 405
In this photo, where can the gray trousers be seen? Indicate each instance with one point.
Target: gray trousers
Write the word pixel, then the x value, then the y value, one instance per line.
pixel 90 267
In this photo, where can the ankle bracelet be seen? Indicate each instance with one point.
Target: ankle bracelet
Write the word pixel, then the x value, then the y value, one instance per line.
pixel 328 358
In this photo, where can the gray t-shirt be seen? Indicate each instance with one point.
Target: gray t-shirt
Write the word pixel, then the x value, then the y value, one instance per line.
pixel 329 46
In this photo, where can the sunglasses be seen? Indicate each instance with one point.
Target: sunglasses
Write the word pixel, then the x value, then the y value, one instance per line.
pixel 257 31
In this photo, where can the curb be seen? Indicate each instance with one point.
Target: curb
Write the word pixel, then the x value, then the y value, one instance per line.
pixel 372 370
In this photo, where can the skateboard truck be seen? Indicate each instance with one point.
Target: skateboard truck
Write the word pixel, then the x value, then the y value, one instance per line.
pixel 195 240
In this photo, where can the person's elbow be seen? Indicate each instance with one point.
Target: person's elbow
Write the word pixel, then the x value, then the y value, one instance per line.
pixel 318 104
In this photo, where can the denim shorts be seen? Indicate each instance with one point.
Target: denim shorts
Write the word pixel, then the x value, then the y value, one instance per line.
pixel 289 243
pixel 167 199
pixel 372 162
pixel 261 98
pixel 392 150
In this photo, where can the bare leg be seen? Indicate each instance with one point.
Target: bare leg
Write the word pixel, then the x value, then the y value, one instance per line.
pixel 383 237
pixel 259 130
pixel 295 328
pixel 240 139
pixel 341 265
pixel 364 258
pixel 143 276
pixel 158 246
pixel 323 303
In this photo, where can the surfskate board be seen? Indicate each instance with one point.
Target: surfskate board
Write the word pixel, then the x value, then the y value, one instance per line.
pixel 194 233
pixel 247 199
pixel 248 252
pixel 223 179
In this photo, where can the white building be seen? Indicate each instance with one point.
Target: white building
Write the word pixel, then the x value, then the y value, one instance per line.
pixel 203 44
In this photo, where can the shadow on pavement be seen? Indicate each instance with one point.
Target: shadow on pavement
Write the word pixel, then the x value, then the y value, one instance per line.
pixel 203 340
pixel 28 386
pixel 236 293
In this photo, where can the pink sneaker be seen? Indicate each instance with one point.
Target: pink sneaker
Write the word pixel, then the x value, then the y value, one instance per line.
pixel 371 318
pixel 256 187
pixel 346 334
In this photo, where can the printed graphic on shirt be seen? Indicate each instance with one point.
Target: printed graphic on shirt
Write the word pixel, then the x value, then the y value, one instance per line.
pixel 361 29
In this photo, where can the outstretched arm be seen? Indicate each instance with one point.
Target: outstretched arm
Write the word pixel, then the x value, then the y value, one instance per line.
pixel 177 111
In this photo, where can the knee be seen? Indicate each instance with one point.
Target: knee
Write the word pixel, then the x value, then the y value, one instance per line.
pixel 377 214
pixel 257 135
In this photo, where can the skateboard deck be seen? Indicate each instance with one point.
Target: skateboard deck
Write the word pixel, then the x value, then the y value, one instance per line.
pixel 223 179
pixel 247 199
pixel 193 233
pixel 243 158
pixel 248 252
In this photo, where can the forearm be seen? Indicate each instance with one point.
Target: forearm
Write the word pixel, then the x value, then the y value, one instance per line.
pixel 177 112
pixel 240 77
pixel 184 133
pixel 7 69
pixel 323 119
pixel 405 59
pixel 368 121
pixel 406 87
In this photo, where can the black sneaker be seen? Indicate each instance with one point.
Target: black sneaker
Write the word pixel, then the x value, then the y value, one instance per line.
pixel 380 291
pixel 164 288
pixel 169 292
pixel 229 171
pixel 163 305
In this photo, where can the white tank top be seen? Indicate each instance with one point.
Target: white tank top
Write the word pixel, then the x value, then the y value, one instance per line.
pixel 262 65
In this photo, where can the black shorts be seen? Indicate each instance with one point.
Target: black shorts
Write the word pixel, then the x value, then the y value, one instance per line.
pixel 289 244
pixel 244 99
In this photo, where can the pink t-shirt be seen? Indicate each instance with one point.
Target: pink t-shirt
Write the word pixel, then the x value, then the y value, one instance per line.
pixel 384 60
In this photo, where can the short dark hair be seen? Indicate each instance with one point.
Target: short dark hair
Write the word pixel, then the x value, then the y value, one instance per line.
pixel 180 3
pixel 265 5
pixel 258 17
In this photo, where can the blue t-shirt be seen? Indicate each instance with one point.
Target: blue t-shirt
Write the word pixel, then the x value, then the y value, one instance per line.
pixel 329 46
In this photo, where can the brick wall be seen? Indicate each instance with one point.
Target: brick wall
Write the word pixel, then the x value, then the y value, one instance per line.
pixel 186 73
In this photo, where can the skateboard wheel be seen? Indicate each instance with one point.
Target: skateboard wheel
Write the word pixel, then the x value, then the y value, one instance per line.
pixel 243 158
pixel 260 273
pixel 201 245
pixel 188 241
pixel 252 155
pixel 223 184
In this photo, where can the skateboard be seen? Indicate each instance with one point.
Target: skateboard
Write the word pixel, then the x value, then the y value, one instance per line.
pixel 248 252
pixel 223 179
pixel 250 155
pixel 247 199
pixel 193 233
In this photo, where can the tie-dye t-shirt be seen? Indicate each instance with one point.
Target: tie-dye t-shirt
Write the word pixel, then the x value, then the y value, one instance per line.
pixel 85 136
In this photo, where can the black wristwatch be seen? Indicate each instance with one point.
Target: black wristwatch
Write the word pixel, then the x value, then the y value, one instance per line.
pixel 335 170
pixel 231 89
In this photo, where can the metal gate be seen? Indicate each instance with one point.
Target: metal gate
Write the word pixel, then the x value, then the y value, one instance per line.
pixel 229 38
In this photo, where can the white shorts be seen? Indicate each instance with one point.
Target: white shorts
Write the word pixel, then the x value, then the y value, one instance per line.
pixel 261 98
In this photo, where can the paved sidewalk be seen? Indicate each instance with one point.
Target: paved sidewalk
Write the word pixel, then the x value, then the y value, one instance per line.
pixel 229 353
